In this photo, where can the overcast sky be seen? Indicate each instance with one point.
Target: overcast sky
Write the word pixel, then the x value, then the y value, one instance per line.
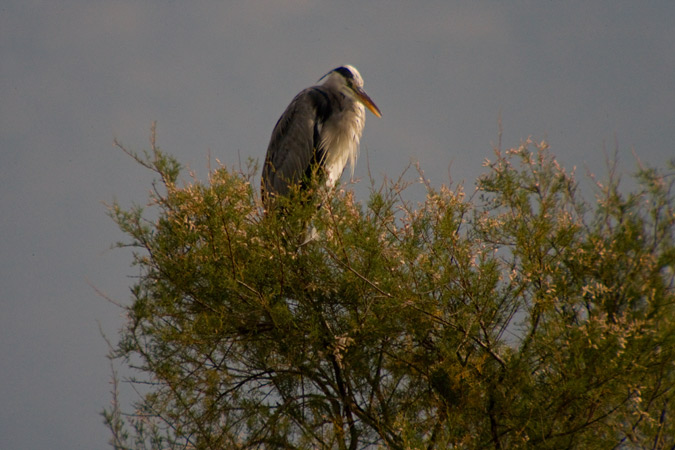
pixel 586 76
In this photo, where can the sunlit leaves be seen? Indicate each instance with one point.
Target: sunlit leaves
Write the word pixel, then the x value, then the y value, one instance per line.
pixel 520 317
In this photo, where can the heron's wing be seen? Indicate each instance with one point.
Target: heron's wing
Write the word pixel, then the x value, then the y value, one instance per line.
pixel 295 146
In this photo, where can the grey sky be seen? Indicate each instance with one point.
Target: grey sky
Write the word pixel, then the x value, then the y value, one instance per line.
pixel 75 74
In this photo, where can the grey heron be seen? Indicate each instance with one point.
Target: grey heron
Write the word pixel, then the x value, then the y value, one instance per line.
pixel 318 134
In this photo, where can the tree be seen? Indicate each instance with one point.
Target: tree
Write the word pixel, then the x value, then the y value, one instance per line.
pixel 519 317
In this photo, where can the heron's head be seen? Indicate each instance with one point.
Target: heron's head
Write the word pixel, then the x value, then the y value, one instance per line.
pixel 348 81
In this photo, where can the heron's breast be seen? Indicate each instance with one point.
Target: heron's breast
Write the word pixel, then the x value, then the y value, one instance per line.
pixel 341 141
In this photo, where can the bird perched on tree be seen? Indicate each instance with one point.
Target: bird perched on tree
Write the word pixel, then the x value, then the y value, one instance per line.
pixel 317 134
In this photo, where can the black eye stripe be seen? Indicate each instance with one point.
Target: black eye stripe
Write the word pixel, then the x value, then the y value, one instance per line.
pixel 345 73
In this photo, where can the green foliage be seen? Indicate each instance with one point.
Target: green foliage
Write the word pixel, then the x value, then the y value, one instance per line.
pixel 521 318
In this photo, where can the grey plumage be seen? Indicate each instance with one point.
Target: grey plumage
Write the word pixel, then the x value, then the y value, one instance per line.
pixel 317 134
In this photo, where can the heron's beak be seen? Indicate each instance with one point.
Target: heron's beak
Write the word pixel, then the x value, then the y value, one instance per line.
pixel 367 101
